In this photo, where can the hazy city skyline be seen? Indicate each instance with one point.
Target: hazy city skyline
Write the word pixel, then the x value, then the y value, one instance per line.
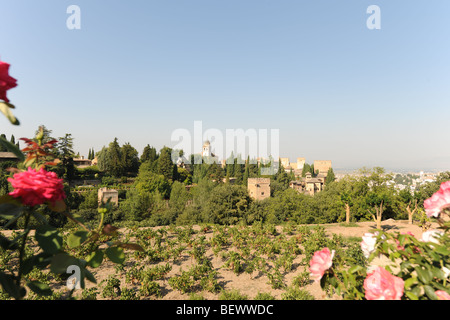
pixel 140 70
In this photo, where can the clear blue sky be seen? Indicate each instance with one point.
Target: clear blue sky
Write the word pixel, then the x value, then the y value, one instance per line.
pixel 138 70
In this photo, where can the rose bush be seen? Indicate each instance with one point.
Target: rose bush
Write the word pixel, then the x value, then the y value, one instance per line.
pixel 417 269
pixel 34 186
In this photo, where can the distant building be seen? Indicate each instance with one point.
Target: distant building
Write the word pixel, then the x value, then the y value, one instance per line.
pixel 323 166
pixel 259 188
pixel 82 162
pixel 208 156
pixel 308 185
pixel 206 149
pixel 104 194
pixel 8 156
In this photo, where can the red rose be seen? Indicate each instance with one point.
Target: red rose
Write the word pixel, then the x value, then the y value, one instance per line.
pixel 6 81
pixel 37 187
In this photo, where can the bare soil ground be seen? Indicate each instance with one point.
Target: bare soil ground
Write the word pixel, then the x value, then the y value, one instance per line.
pixel 251 285
pixel 247 284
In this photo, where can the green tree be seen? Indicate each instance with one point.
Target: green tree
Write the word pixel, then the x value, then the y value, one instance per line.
pixel 90 200
pixel 130 159
pixel 408 202
pixel 137 205
pixel 246 172
pixel 149 154
pixel 347 195
pixel 380 196
pixel 426 190
pixel 281 181
pixel 330 176
pixel 215 172
pixel 227 204
pixel 2 147
pixel 230 165
pixel 306 168
pixel 184 176
pixel 165 164
pixel 149 181
pixel 110 159
pixel 238 170
pixel 115 166
pixel 64 152
pixel 179 197
pixel 102 159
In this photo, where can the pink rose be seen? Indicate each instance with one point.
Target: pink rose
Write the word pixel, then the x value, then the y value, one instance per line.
pixel 381 285
pixel 320 262
pixel 37 187
pixel 438 201
pixel 6 81
pixel 442 295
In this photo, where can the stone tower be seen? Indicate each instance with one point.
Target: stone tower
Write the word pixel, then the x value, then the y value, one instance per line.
pixel 259 188
pixel 206 150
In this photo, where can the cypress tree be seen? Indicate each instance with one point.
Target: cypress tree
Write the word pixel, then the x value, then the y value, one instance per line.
pixel 165 164
pixel 115 159
pixel 2 148
pixel 246 172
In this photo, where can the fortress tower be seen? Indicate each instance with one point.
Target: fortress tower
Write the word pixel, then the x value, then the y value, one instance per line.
pixel 206 150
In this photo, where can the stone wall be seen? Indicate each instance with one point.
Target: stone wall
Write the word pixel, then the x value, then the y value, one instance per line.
pixel 259 188
pixel 104 194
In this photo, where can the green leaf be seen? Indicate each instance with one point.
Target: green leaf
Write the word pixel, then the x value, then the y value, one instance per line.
pixel 12 148
pixel 61 262
pixel 401 239
pixel 424 275
pixel 437 273
pixel 76 239
pixel 7 244
pixel 442 250
pixel 40 261
pixel 9 211
pixel 40 288
pixel 95 258
pixel 5 108
pixel 411 295
pixel 39 217
pixel 131 246
pixel 409 282
pixel 89 276
pixel 429 291
pixel 115 254
pixel 10 286
pixel 355 269
pixel 49 239
pixel 10 208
